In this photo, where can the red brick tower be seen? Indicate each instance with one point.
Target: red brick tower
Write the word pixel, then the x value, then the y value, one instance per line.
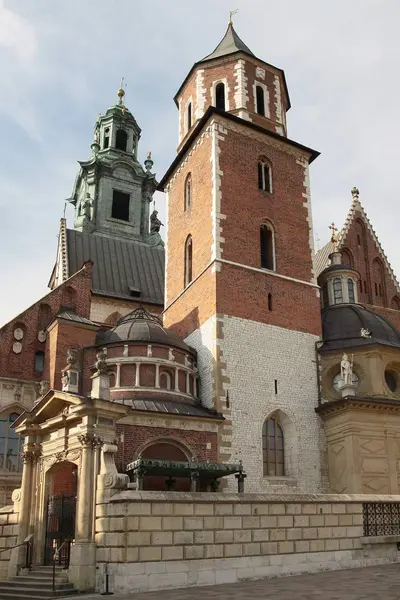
pixel 240 286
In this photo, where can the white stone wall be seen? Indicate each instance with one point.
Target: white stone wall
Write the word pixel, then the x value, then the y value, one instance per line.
pixel 254 355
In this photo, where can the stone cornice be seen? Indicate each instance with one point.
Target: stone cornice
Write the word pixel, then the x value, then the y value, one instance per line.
pixel 354 403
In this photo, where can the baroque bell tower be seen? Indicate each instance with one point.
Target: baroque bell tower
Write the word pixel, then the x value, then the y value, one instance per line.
pixel 113 192
pixel 240 285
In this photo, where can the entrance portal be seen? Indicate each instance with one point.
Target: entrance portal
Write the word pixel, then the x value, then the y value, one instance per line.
pixel 60 512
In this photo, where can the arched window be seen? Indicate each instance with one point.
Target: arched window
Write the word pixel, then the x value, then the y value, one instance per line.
pixel 188 260
pixel 165 380
pixel 113 318
pixel 350 289
pixel 189 116
pixel 347 258
pixel 69 298
pixel 106 142
pixel 337 290
pixel 44 316
pixel 260 100
pixel 273 448
pixel 220 96
pixel 188 192
pixel 267 247
pixel 264 177
pixel 395 303
pixel 39 362
pixel 121 140
pixel 10 444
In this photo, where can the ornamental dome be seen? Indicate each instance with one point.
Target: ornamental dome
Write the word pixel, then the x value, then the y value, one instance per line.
pixel 354 326
pixel 142 326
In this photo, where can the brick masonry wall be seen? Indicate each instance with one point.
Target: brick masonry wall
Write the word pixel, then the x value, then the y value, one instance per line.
pixel 172 540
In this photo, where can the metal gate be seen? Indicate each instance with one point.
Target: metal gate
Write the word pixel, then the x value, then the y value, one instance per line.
pixel 60 526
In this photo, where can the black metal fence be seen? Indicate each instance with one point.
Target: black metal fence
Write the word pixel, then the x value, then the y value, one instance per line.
pixel 381 518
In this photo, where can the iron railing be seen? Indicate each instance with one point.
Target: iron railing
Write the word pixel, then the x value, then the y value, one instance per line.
pixel 29 549
pixel 381 518
pixel 61 558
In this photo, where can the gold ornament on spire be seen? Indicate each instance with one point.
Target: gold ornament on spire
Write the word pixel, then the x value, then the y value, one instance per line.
pixel 334 238
pixel 232 13
pixel 149 155
pixel 121 92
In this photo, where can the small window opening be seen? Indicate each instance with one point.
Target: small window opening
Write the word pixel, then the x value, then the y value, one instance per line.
pixel 39 362
pixel 188 192
pixel 120 206
pixel 360 285
pixel 267 248
pixel 276 386
pixel 337 291
pixel 121 140
pixel 220 96
pixel 189 115
pixel 264 177
pixel 260 100
pixel 358 240
pixel 350 288
pixel 188 260
pixel 269 301
pixel 106 138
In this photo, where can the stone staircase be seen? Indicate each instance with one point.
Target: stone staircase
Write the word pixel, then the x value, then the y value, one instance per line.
pixel 36 584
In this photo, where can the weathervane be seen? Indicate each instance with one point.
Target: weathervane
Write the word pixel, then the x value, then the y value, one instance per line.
pixel 232 13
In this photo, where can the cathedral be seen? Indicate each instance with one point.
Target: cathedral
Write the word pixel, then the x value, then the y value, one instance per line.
pixel 228 345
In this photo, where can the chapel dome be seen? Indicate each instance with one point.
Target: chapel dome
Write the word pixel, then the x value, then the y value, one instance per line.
pixel 142 326
pixel 342 325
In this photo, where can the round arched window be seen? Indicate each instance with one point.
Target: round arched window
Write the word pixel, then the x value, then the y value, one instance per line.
pixel 391 380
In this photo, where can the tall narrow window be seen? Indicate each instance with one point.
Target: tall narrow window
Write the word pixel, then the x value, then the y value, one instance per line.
pixel 220 96
pixel 269 301
pixel 188 260
pixel 188 192
pixel 337 291
pixel 121 140
pixel 260 100
pixel 273 448
pixel 39 362
pixel 267 247
pixel 120 206
pixel 189 116
pixel 10 444
pixel 264 177
pixel 106 138
pixel 350 289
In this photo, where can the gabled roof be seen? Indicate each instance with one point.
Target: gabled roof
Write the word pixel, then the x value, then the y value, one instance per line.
pixel 119 265
pixel 229 44
pixel 321 258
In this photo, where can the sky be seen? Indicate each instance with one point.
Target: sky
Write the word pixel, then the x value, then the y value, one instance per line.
pixel 61 63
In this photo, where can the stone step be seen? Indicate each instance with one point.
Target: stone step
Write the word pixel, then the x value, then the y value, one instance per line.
pixel 25 593
pixel 24 582
pixel 42 576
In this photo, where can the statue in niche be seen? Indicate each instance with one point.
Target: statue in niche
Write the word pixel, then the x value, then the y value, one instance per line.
pixel 155 223
pixel 85 208
pixel 64 380
pixel 101 358
pixel 346 369
pixel 71 357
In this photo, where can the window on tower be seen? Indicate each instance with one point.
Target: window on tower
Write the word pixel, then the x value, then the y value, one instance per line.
pixel 350 289
pixel 121 140
pixel 337 291
pixel 189 116
pixel 188 260
pixel 39 362
pixel 106 142
pixel 273 448
pixel 267 247
pixel 120 206
pixel 188 192
pixel 260 100
pixel 220 96
pixel 264 176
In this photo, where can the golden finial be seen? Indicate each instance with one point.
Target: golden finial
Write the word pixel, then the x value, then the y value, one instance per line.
pixel 231 14
pixel 149 155
pixel 121 92
pixel 334 230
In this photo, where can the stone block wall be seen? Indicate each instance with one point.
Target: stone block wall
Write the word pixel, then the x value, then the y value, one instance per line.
pixel 8 537
pixel 159 540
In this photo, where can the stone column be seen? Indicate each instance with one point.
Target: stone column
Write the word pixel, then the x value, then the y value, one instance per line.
pixel 187 382
pixel 137 377
pixel 82 571
pixel 176 379
pixel 157 375
pixel 30 455
pixel 118 376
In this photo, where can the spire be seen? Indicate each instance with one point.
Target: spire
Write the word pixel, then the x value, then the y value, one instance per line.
pixel 229 44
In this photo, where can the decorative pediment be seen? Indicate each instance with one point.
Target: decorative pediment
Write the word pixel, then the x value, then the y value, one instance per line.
pixel 54 405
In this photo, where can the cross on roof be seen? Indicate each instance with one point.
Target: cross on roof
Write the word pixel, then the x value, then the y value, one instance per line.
pixel 334 230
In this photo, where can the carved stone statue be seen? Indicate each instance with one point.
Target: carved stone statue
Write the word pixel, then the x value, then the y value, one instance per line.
pixel 44 387
pixel 71 357
pixel 155 223
pixel 346 369
pixel 101 364
pixel 85 209
pixel 64 380
pixel 365 333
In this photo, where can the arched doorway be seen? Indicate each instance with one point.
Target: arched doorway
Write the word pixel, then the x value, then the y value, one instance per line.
pixel 165 451
pixel 60 510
